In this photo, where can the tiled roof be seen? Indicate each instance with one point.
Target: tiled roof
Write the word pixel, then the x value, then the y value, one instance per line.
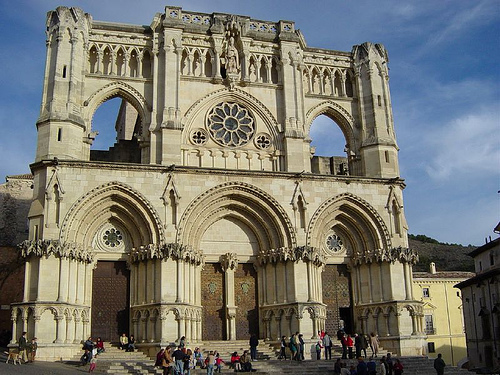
pixel 443 275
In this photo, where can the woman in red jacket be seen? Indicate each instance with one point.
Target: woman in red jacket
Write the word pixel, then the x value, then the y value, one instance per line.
pixel 350 345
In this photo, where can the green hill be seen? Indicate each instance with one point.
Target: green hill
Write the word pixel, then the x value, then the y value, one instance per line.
pixel 448 257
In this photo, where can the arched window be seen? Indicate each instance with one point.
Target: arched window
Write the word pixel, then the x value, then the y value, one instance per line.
pixel 263 70
pixel 93 60
pixel 208 65
pixel 132 64
pixel 146 64
pixel 106 61
pixel 118 126
pixel 328 147
pixel 120 61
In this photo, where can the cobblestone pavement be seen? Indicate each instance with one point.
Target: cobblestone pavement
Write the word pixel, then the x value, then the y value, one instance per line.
pixel 42 368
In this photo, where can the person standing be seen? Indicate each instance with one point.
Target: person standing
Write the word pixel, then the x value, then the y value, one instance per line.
pixel 254 342
pixel 301 347
pixel 210 361
pixel 182 342
pixel 178 357
pixel 364 344
pixel 318 350
pixel 389 364
pixel 23 347
pixel 282 348
pixel 384 370
pixel 93 363
pixel 166 361
pixel 398 367
pixel 327 343
pixel 293 346
pixel 439 365
pixel 357 344
pixel 374 344
pixel 343 341
pixel 350 345
pixel 33 348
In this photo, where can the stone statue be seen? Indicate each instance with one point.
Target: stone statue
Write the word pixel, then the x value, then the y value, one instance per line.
pixel 232 60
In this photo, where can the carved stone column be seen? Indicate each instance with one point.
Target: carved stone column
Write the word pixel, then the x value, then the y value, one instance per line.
pixel 229 263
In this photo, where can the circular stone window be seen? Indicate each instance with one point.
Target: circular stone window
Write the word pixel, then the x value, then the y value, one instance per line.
pixel 230 124
pixel 262 141
pixel 112 237
pixel 334 243
pixel 199 137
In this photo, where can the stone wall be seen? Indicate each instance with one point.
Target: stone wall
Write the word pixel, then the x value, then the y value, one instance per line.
pixel 15 199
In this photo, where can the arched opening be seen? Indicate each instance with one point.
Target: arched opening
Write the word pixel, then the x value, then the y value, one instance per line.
pixel 106 61
pixel 93 60
pixel 208 65
pixel 146 65
pixel 133 64
pixel 328 147
pixel 118 143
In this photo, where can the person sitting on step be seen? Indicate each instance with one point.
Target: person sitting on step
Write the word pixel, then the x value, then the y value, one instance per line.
pixel 123 341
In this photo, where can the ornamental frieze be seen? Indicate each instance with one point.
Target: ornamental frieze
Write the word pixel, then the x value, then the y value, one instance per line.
pixel 284 254
pixel 401 254
pixel 173 251
pixel 47 248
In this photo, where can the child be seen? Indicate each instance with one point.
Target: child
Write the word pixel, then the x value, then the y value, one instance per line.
pixel 93 363
pixel 218 363
pixel 318 350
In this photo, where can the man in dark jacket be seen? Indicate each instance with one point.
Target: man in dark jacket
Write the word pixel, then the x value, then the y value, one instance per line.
pixel 23 346
pixel 439 365
pixel 178 357
pixel 357 344
pixel 254 342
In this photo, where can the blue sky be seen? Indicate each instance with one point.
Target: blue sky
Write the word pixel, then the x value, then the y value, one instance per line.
pixel 444 79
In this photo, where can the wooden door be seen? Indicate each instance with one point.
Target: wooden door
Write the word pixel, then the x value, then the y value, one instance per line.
pixel 110 300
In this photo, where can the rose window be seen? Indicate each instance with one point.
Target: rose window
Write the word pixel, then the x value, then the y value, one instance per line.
pixel 230 124
pixel 112 237
pixel 334 243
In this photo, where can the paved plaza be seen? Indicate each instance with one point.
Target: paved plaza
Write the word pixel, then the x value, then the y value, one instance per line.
pixel 41 368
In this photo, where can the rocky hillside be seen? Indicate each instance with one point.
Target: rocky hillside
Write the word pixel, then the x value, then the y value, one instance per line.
pixel 448 257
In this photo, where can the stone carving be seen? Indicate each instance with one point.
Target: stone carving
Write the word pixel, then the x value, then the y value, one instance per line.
pixel 232 59
pixel 54 247
pixel 229 261
pixel 174 251
pixel 284 254
pixel 401 254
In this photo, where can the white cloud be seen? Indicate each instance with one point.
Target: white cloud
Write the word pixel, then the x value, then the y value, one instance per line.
pixel 468 145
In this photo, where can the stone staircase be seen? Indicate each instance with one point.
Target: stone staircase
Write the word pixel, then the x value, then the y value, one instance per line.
pixel 116 361
pixel 227 348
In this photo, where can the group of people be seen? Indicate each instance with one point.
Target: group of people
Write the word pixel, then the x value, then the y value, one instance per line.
pixel 387 366
pixel 295 344
pixel 91 350
pixel 127 343
pixel 357 347
pixel 27 350
pixel 180 360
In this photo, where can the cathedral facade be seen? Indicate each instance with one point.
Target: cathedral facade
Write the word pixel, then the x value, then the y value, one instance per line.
pixel 211 217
